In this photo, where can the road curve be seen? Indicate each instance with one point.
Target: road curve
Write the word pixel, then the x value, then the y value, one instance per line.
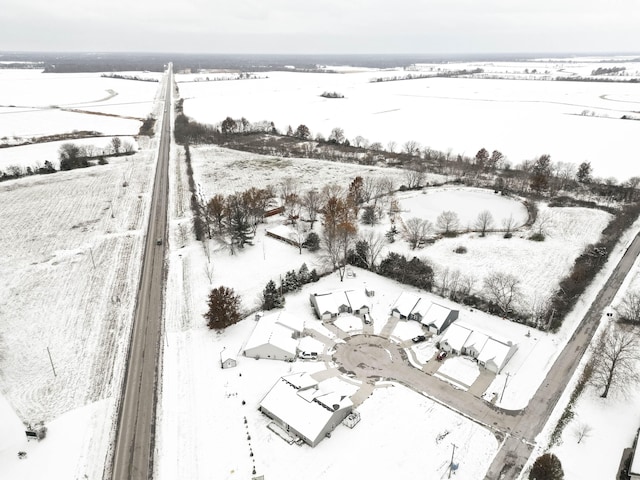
pixel 133 450
pixel 514 453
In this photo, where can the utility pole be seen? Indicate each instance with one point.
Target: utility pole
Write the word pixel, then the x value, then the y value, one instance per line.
pixel 451 464
pixel 51 360
pixel 505 385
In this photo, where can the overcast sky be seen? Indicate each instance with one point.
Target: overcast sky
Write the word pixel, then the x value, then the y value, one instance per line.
pixel 321 26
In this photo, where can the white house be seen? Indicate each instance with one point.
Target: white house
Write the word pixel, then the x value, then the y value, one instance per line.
pixel 454 338
pixel 495 354
pixel 357 301
pixel 305 408
pixel 329 305
pixel 404 305
pixel 275 336
pixel 434 316
pixel 474 344
pixel 228 362
pixel 490 353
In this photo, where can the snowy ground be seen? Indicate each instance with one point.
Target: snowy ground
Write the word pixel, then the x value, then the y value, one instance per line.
pixel 462 115
pixel 71 244
pixel 31 104
pixel 35 155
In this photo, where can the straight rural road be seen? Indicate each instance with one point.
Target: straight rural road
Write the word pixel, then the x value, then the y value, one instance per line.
pixel 133 451
pixel 515 452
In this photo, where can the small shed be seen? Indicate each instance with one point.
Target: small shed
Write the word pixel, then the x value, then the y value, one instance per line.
pixel 228 362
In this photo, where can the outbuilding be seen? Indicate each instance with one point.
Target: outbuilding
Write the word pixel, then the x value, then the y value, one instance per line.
pixel 275 337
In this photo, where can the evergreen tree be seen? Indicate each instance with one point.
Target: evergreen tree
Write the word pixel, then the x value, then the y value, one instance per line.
pixel 291 281
pixel 313 276
pixel 303 274
pixel 224 308
pixel 271 297
pixel 547 467
pixel 312 242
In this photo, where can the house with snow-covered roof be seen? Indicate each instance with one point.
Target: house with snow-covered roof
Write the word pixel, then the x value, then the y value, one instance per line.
pixel 434 316
pixel 358 301
pixel 474 344
pixel 495 354
pixel 329 305
pixel 404 305
pixel 275 336
pixel 454 338
pixel 304 408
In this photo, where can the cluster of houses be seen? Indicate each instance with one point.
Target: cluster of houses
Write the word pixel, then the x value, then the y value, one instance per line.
pixel 329 305
pixel 305 409
pixel 455 337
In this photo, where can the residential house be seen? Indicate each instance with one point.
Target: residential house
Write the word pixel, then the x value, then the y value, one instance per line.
pixel 329 305
pixel 357 301
pixel 454 338
pixel 634 468
pixel 404 305
pixel 275 336
pixel 434 316
pixel 305 408
pixel 474 344
pixel 495 354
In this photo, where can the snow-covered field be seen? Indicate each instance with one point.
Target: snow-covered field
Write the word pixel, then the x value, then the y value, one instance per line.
pixel 35 155
pixel 522 119
pixel 71 244
pixel 31 104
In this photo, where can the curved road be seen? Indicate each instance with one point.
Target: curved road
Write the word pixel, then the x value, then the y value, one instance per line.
pixel 377 357
pixel 133 451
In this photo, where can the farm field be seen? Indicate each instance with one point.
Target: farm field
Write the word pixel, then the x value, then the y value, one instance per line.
pixel 34 104
pixel 71 243
pixel 460 115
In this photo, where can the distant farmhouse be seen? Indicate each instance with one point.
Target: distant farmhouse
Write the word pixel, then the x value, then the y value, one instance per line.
pixel 275 336
pixel 490 353
pixel 432 315
pixel 329 305
pixel 304 409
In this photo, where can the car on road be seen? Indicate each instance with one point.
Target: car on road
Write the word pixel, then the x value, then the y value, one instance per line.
pixel 158 241
pixel 441 355
pixel 419 338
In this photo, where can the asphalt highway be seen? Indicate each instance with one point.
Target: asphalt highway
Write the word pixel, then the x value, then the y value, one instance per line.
pixel 133 451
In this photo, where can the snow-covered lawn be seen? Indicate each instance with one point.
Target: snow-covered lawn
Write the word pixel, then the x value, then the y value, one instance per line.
pixel 349 323
pixel 406 329
pixel 494 114
pixel 460 369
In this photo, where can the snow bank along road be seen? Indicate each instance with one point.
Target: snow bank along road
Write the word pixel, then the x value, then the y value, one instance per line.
pixel 515 452
pixel 133 452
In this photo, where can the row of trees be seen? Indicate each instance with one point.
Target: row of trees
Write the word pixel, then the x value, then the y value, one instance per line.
pixel 273 297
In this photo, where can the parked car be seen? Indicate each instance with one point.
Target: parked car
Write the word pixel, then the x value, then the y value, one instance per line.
pixel 308 355
pixel 419 338
pixel 441 355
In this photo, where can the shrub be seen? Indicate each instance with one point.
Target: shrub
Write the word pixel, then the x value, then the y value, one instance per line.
pixel 460 249
pixel 508 235
pixel 537 237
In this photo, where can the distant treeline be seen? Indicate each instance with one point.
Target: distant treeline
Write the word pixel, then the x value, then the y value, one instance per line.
pixel 129 77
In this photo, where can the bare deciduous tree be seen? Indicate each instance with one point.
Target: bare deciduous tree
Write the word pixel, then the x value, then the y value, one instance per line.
pixel 416 230
pixel 448 222
pixel 311 203
pixel 503 289
pixel 508 224
pixel 484 222
pixel 615 360
pixel 629 308
pixel 414 175
pixel 391 146
pixel 411 147
pixel 581 431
